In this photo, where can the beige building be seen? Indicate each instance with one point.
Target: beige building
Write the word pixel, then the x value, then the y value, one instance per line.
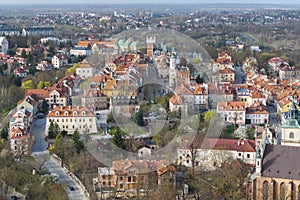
pixel 135 175
pixel 70 118
pixel 85 69
pixel 232 112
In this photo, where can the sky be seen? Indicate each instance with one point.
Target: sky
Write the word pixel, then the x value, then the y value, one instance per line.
pixel 146 1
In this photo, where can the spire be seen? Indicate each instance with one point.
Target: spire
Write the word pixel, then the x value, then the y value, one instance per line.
pixel 293 111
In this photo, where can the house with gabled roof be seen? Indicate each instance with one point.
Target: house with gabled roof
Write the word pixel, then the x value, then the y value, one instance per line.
pixel 29 103
pixel 19 141
pixel 212 152
pixel 257 114
pixel 132 175
pixel 177 102
pixel 232 112
pixel 3 45
pixel 70 118
pixel 59 60
pixel 85 69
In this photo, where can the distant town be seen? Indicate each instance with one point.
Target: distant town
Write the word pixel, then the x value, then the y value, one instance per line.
pixel 124 102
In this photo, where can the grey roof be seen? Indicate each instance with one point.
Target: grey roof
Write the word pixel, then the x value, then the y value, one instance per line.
pixel 281 162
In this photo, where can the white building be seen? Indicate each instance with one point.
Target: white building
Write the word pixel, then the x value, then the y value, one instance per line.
pixel 212 152
pixel 232 112
pixel 3 45
pixel 85 70
pixel 80 51
pixel 257 114
pixel 59 61
pixel 144 152
pixel 70 118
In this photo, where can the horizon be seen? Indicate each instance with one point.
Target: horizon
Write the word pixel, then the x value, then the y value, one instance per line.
pixel 113 2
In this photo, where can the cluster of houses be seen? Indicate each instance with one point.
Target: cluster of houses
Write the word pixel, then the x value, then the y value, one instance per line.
pixel 117 83
pixel 19 65
pixel 29 31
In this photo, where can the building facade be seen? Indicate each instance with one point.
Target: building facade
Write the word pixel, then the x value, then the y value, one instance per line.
pixel 70 118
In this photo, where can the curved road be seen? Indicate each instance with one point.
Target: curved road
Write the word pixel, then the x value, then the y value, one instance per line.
pixel 40 152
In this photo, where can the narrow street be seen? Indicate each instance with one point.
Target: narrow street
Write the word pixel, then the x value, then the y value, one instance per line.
pixel 39 151
pixel 239 74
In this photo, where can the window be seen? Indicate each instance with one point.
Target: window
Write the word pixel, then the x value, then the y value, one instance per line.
pixel 265 190
pixel 282 191
pixel 240 154
pixel 291 135
pixel 248 155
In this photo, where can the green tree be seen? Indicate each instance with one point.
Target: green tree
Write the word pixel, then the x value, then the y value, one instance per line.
pixel 53 130
pixel 157 139
pixel 199 79
pixel 209 115
pixel 110 118
pixel 23 54
pixel 138 118
pixel 27 85
pixel 77 141
pixel 117 137
pixel 64 133
pixel 4 133
pixel 41 85
pixel 45 106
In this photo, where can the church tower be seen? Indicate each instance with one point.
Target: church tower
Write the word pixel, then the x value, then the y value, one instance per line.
pixel 172 71
pixel 150 46
pixel 291 128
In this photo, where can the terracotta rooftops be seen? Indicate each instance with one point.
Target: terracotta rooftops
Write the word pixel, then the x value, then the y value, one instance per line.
pixel 84 64
pixel 123 166
pixel 231 106
pixel 72 111
pixel 224 144
pixel 176 100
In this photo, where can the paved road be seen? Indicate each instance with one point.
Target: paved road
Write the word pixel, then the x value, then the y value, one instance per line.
pixel 39 151
pixel 37 130
pixel 239 74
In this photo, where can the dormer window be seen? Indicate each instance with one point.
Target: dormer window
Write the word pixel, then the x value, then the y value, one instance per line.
pixel 66 113
pixel 75 113
pixel 83 113
pixel 57 113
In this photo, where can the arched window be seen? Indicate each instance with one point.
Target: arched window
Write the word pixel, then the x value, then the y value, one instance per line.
pixel 282 191
pixel 291 135
pixel 265 190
